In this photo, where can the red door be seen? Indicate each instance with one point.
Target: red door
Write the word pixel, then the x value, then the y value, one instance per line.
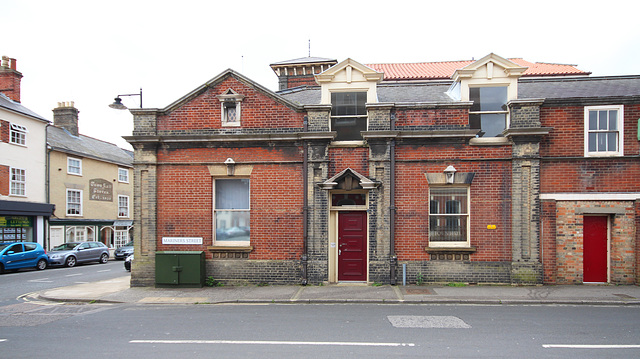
pixel 595 249
pixel 352 246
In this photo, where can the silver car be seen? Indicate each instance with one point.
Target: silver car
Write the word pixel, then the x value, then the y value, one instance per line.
pixel 72 253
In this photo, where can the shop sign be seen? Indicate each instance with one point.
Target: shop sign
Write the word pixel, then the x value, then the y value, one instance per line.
pixel 181 240
pixel 100 190
pixel 16 221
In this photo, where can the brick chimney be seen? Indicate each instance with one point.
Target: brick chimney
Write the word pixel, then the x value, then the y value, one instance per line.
pixel 66 116
pixel 10 78
pixel 299 72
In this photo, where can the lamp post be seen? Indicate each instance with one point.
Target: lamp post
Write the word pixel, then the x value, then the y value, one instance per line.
pixel 449 174
pixel 117 103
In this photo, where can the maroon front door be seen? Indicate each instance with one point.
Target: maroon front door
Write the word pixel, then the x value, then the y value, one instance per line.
pixel 595 249
pixel 352 246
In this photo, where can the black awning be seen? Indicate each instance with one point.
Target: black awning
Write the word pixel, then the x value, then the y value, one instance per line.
pixel 15 208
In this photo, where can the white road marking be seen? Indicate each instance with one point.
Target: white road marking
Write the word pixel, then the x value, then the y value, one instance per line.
pixel 104 270
pixel 3 340
pixel 259 342
pixel 592 346
pixel 74 275
pixel 43 280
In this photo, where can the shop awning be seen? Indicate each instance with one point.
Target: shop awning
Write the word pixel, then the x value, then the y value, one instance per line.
pixel 15 208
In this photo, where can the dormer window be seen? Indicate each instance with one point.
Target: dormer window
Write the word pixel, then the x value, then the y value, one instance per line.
pixel 489 110
pixel 230 107
pixel 348 115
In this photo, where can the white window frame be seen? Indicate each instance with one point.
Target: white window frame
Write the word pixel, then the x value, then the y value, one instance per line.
pixel 445 216
pixel 123 206
pixel 227 99
pixel 216 211
pixel 121 237
pixel 80 234
pixel 18 132
pixel 356 117
pixel 620 124
pixel 123 175
pixel 69 166
pixel 18 180
pixel 79 191
pixel 506 112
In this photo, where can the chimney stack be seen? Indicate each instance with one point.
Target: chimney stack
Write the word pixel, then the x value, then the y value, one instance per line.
pixel 66 116
pixel 10 78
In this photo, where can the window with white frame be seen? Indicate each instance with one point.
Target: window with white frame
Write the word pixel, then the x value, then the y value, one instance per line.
pixel 123 206
pixel 121 237
pixel 80 234
pixel 489 110
pixel 74 202
pixel 123 175
pixel 231 211
pixel 604 130
pixel 18 135
pixel 18 182
pixel 231 103
pixel 348 115
pixel 448 216
pixel 74 166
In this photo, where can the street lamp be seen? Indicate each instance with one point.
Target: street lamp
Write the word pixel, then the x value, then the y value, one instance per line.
pixel 117 103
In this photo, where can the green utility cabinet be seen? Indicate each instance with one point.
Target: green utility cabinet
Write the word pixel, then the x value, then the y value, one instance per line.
pixel 180 269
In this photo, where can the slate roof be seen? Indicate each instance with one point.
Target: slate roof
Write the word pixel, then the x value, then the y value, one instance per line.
pixel 9 104
pixel 445 69
pixel 61 140
pixel 435 91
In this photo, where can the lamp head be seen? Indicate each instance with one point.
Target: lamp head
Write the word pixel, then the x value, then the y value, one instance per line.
pixel 117 104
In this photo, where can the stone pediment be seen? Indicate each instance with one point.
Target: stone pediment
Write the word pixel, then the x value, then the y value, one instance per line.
pixel 348 180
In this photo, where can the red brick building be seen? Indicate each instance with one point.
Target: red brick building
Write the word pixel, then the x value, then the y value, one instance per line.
pixel 489 171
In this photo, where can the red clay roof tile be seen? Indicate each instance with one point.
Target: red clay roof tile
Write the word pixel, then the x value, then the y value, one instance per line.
pixel 444 70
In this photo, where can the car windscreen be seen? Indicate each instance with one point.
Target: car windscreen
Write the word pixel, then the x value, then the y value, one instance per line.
pixel 4 245
pixel 65 247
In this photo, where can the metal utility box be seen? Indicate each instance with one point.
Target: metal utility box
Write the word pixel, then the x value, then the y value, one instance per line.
pixel 180 269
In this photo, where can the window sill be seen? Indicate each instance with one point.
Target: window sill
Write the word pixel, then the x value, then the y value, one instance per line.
pixel 231 124
pixel 355 143
pixel 489 141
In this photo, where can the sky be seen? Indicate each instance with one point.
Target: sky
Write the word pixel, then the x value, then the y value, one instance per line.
pixel 90 51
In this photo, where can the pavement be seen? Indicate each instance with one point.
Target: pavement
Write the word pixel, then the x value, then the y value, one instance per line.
pixel 118 290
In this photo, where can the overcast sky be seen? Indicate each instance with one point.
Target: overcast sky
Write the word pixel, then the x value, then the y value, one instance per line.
pixel 90 51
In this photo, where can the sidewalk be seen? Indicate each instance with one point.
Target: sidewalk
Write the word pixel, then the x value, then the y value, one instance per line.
pixel 118 291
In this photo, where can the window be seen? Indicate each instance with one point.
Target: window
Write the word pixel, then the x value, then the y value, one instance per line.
pixel 231 211
pixel 121 237
pixel 74 166
pixel 80 234
pixel 603 130
pixel 123 175
pixel 18 182
pixel 348 115
pixel 489 110
pixel 448 216
pixel 18 135
pixel 123 206
pixel 231 102
pixel 74 202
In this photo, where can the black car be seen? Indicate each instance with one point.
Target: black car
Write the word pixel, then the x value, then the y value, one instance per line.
pixel 127 263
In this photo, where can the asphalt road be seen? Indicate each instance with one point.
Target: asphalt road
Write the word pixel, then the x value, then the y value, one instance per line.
pixel 318 331
pixel 12 285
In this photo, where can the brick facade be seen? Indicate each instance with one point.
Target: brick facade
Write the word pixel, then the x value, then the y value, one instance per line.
pixel 524 227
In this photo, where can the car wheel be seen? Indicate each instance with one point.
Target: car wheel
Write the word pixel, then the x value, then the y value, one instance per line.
pixel 104 258
pixel 70 262
pixel 42 264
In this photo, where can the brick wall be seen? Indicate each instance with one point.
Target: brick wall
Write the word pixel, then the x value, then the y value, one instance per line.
pixel 569 241
pixel 349 157
pixel 5 180
pixel 433 119
pixel 5 131
pixel 203 112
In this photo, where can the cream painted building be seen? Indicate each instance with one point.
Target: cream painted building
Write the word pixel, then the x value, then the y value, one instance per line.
pixel 23 208
pixel 91 184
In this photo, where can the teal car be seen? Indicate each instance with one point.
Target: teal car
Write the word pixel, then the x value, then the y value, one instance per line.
pixel 14 256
